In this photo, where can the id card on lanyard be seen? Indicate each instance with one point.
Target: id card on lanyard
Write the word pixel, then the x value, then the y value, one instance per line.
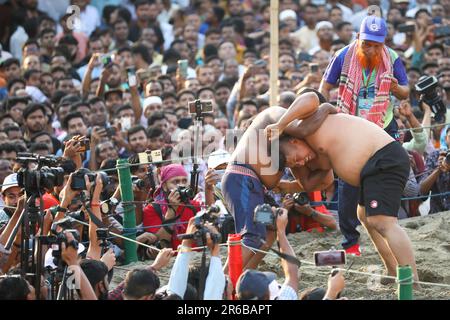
pixel 365 102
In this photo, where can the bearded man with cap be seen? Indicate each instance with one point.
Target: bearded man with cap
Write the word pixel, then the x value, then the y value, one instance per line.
pixel 368 75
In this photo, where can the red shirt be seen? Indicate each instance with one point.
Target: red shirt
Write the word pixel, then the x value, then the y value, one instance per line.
pixel 150 218
pixel 307 223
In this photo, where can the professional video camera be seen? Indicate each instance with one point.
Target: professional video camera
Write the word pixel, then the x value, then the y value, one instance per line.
pixel 301 198
pixel 186 194
pixel 57 239
pixel 427 86
pixel 38 180
pixel 78 182
pixel 205 216
pixel 263 214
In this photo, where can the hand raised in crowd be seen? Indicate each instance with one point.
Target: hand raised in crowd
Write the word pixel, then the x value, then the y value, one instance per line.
pixel 97 189
pixel 106 73
pixel 69 253
pixel 443 166
pixel 174 199
pixel 67 193
pixel 405 109
pixel 72 147
pixel 211 178
pixel 94 61
pixel 282 219
pixel 109 259
pixel 212 245
pixel 336 284
pixel 97 135
pixel 48 220
pixel 288 202
pixel 425 106
pixel 162 259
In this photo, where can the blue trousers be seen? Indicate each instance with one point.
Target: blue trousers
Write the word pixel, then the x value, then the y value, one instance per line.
pixel 243 193
pixel 348 219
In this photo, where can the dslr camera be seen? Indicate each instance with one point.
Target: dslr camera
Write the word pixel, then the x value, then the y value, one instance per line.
pixel 78 182
pixel 427 86
pixel 301 198
pixel 212 216
pixel 263 214
pixel 186 194
pixel 57 239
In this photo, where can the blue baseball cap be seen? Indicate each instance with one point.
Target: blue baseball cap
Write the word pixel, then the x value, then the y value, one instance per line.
pixel 373 28
pixel 253 285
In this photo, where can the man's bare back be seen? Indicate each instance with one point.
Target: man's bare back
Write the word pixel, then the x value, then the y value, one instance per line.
pixel 249 147
pixel 345 143
pixel 252 147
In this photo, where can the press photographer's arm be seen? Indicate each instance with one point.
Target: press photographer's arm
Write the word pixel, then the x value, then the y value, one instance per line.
pixel 94 250
pixel 290 270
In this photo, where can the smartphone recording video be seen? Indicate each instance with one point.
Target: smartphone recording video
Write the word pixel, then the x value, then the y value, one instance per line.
pixel 329 258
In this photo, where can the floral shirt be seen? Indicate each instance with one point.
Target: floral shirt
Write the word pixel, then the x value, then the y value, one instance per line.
pixel 442 185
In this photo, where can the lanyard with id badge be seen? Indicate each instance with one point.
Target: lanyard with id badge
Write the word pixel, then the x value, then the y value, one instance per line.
pixel 365 102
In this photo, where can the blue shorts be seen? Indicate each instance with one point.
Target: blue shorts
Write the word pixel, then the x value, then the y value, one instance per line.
pixel 243 191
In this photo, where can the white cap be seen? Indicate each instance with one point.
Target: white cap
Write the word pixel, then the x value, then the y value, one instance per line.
pixel 152 100
pixel 217 158
pixel 324 24
pixel 9 182
pixel 288 13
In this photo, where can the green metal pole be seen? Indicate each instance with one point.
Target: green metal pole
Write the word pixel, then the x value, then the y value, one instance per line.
pixel 129 216
pixel 405 283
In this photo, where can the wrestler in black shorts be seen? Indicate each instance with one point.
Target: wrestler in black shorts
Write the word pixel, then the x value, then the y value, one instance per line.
pixel 383 179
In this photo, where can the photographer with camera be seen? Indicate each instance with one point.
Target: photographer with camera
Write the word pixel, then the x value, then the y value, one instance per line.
pixel 173 205
pixel 215 280
pixel 255 285
pixel 70 256
pixel 437 178
pixel 305 216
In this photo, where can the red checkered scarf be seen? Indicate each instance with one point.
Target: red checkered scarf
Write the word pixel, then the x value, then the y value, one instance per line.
pixel 350 83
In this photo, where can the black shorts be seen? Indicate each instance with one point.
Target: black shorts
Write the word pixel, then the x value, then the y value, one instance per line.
pixel 383 179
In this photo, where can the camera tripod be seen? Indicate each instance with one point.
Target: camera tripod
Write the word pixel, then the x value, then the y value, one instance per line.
pixel 198 120
pixel 30 220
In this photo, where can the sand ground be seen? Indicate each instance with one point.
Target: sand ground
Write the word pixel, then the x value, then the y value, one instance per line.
pixel 430 236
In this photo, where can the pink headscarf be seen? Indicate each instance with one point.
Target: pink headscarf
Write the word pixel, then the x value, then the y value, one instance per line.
pixel 167 173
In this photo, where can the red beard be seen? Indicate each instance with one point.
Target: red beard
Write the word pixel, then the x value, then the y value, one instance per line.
pixel 370 62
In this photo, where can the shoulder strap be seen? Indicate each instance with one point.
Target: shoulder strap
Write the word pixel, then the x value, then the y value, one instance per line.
pixel 158 210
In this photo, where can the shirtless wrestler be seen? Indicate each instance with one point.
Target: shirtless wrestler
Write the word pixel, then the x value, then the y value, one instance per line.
pixel 247 173
pixel 362 154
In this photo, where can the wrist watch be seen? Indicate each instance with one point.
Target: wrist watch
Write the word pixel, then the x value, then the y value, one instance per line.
pixel 106 206
pixel 313 213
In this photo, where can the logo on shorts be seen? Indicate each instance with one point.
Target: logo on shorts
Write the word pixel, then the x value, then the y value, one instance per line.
pixel 373 204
